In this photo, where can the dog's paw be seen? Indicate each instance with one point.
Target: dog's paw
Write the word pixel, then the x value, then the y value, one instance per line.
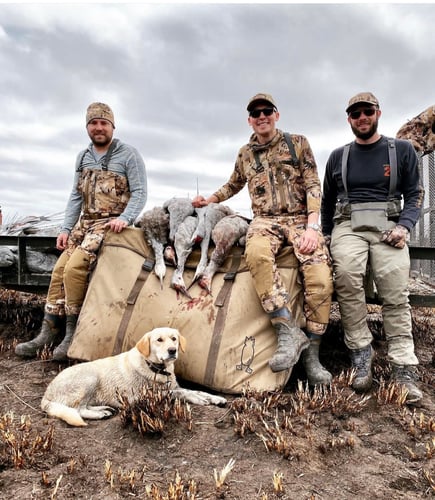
pixel 218 401
pixel 210 399
pixel 108 412
pixel 97 412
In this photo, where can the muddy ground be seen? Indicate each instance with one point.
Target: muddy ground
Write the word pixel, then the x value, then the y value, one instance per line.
pixel 298 444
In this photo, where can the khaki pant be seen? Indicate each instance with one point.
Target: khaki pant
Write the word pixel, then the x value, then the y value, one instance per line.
pixel 69 279
pixel 266 236
pixel 350 252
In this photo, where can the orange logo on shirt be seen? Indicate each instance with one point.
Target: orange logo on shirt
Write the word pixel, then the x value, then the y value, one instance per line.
pixel 387 170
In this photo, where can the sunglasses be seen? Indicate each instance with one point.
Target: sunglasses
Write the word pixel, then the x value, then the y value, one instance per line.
pixel 255 113
pixel 356 114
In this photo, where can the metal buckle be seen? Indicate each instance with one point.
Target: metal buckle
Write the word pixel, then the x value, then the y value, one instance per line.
pixel 148 265
pixel 230 276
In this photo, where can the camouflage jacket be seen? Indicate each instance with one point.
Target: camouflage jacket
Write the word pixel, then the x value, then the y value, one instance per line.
pixel 277 183
pixel 121 190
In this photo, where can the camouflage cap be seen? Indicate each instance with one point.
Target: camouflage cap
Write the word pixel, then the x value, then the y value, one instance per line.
pixel 267 98
pixel 362 98
pixel 99 110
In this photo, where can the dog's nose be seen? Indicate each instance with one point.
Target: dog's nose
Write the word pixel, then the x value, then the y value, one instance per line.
pixel 172 351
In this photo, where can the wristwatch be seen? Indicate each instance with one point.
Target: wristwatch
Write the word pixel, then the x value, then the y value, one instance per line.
pixel 316 227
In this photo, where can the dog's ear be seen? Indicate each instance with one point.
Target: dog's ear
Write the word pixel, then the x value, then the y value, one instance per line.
pixel 182 342
pixel 143 345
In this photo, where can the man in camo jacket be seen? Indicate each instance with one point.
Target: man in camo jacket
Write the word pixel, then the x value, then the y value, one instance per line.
pixel 109 191
pixel 285 195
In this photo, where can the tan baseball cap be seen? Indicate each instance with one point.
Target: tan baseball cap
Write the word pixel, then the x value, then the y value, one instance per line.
pixel 258 98
pixel 362 98
pixel 99 110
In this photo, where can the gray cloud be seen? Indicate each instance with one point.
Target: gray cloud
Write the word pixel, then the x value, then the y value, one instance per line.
pixel 179 76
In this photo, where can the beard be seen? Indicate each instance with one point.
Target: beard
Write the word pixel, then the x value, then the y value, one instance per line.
pixel 366 135
pixel 103 140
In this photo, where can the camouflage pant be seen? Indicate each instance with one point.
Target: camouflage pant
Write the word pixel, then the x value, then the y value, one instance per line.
pixel 69 279
pixel 266 236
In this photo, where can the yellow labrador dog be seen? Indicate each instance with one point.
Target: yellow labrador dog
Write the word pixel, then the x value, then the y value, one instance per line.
pixel 89 390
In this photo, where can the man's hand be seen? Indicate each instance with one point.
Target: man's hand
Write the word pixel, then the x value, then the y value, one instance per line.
pixel 308 241
pixel 116 225
pixel 396 237
pixel 61 241
pixel 199 201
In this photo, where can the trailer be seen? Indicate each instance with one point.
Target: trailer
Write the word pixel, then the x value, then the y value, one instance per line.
pixel 20 276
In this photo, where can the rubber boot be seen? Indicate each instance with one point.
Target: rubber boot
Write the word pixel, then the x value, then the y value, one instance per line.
pixel 60 353
pixel 291 342
pixel 362 363
pixel 48 335
pixel 407 376
pixel 316 373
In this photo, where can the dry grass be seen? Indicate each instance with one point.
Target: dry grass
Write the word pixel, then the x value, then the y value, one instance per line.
pixel 20 446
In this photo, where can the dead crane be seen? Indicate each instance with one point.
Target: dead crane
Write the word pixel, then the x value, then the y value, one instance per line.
pixel 183 244
pixel 155 225
pixel 228 231
pixel 178 209
pixel 208 217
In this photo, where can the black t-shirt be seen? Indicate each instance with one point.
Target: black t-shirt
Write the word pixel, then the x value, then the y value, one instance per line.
pixel 368 179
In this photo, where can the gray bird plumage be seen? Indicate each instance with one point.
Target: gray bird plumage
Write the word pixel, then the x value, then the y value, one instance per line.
pixel 183 247
pixel 155 225
pixel 228 231
pixel 178 209
pixel 208 217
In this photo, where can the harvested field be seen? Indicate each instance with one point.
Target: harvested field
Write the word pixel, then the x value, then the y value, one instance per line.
pixel 298 444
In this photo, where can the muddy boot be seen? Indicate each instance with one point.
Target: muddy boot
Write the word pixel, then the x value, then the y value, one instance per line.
pixel 362 363
pixel 60 353
pixel 407 376
pixel 316 373
pixel 291 342
pixel 48 335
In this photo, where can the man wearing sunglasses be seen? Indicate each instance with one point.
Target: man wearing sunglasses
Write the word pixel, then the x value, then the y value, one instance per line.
pixel 369 206
pixel 285 193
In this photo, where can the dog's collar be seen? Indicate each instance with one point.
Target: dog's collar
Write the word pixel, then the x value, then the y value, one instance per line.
pixel 158 368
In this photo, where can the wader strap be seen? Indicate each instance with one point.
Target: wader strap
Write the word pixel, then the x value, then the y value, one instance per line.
pixel 393 167
pixel 392 155
pixel 222 302
pixel 145 270
pixel 344 169
pixel 259 167
pixel 106 159
pixel 108 155
pixel 291 148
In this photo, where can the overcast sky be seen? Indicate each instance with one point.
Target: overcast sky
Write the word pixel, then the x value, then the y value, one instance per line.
pixel 178 78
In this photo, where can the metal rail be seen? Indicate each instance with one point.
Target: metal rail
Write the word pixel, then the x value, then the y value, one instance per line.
pixel 18 277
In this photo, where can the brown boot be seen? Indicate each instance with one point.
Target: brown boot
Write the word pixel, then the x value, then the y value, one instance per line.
pixel 60 353
pixel 291 342
pixel 48 336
